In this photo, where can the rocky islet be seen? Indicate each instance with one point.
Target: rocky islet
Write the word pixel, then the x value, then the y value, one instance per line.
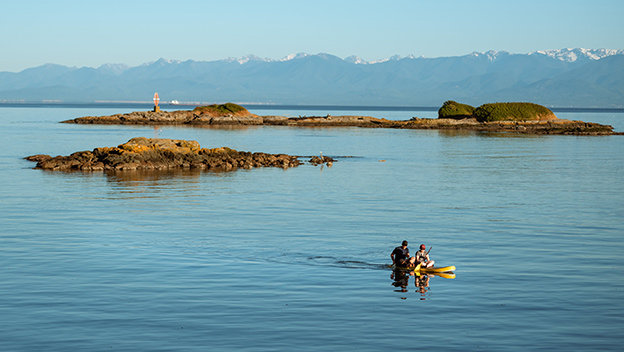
pixel 165 154
pixel 201 116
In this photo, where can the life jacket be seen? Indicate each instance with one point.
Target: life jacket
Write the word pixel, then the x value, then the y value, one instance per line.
pixel 420 257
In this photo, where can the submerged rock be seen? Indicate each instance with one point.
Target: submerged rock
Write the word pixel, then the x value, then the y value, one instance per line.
pixel 318 160
pixel 158 154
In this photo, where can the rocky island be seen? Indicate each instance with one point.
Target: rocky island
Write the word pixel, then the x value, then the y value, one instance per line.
pixel 164 154
pixel 496 117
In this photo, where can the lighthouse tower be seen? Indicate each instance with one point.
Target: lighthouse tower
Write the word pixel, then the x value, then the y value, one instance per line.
pixel 156 100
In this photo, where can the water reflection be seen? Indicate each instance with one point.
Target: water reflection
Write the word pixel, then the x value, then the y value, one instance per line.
pixel 216 127
pixel 459 133
pixel 511 135
pixel 451 133
pixel 132 176
pixel 160 183
pixel 401 278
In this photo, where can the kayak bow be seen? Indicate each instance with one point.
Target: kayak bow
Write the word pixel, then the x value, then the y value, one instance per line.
pixel 444 269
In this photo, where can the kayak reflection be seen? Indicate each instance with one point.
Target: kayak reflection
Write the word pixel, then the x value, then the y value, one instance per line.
pixel 400 280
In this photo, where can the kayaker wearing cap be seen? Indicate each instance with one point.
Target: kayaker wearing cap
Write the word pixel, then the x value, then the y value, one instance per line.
pixel 422 258
pixel 400 256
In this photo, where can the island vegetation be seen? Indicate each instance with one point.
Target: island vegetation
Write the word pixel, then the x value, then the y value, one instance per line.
pixel 496 112
pixel 454 110
pixel 222 110
pixel 513 112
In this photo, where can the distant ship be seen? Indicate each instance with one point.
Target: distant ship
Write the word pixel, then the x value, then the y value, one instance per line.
pixel 174 102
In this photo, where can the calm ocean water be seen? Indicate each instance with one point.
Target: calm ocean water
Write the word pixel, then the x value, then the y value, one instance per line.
pixel 280 260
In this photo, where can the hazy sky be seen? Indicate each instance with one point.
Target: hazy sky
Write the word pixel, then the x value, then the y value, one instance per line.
pixel 92 33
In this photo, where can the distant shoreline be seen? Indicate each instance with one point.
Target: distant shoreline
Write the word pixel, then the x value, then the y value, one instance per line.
pixel 259 106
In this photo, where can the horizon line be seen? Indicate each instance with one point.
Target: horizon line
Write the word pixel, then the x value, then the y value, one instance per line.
pixel 270 106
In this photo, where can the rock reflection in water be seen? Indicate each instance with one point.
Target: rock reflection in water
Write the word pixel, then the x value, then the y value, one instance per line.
pixel 150 183
pixel 131 176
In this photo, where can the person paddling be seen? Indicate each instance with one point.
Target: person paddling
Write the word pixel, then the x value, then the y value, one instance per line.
pixel 401 257
pixel 422 257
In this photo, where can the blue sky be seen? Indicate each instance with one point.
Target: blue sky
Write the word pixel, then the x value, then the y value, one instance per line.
pixel 90 33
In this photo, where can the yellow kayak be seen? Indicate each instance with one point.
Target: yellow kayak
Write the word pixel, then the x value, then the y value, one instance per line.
pixel 444 269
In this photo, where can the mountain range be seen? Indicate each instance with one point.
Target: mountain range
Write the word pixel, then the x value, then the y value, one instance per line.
pixel 554 78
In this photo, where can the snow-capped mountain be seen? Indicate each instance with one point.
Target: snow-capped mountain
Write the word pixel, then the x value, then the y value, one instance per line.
pixel 571 55
pixel 294 57
pixel 245 59
pixel 491 55
pixel 568 55
pixel 115 69
pixel 355 60
pixel 565 77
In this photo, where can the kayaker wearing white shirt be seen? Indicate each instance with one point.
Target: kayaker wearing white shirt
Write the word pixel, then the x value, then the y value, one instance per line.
pixel 422 258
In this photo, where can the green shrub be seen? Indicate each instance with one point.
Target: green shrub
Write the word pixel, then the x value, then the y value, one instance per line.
pixel 512 112
pixel 454 110
pixel 221 109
